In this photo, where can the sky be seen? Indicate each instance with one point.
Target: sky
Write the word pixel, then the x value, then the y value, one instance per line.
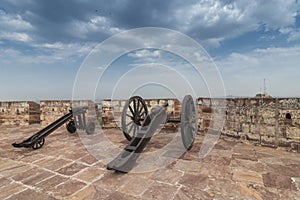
pixel 43 44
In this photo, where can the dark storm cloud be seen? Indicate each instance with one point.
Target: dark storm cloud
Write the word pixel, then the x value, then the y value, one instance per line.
pixel 93 20
pixel 53 19
pixel 134 14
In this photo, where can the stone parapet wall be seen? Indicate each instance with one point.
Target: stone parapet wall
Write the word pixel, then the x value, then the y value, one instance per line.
pixel 19 113
pixel 111 111
pixel 267 121
pixel 52 110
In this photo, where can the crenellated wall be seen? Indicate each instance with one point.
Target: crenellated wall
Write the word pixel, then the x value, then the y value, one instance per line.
pixel 19 113
pixel 51 110
pixel 111 111
pixel 266 121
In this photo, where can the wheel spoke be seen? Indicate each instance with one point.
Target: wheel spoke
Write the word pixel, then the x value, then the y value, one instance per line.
pixel 129 115
pixel 138 106
pixel 130 127
pixel 140 110
pixel 134 105
pixel 142 113
pixel 129 123
pixel 134 130
pixel 131 110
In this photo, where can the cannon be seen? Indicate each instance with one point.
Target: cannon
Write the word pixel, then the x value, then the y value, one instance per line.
pixel 75 119
pixel 139 126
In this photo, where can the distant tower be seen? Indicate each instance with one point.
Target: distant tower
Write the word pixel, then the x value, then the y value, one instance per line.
pixel 265 94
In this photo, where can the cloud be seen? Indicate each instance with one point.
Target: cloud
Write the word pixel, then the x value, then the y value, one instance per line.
pixel 294 33
pixel 13 22
pixel 15 36
pixel 217 20
pixel 61 32
pixel 243 72
pixel 210 21
pixel 46 53
pixel 97 24
pixel 13 27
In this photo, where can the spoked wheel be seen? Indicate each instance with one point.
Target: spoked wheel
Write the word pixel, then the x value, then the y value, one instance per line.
pixel 133 115
pixel 188 122
pixel 71 126
pixel 39 143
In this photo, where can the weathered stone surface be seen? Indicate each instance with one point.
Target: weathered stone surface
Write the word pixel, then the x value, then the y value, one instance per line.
pixel 189 166
pixel 7 164
pixel 68 188
pixel 9 189
pixel 167 175
pixel 194 181
pixel 56 164
pixel 160 191
pixel 245 154
pixel 88 159
pixel 111 181
pixel 44 161
pixel 216 160
pixel 32 158
pixel 27 174
pixel 243 175
pixel 36 178
pixel 248 164
pixel 50 183
pixel 91 192
pixel 220 175
pixel 31 194
pixel 296 183
pixel 250 191
pixel 286 170
pixel 186 193
pixel 136 185
pixel 219 187
pixel 119 195
pixel 71 169
pixel 4 181
pixel 276 180
pixel 10 172
pixel 90 174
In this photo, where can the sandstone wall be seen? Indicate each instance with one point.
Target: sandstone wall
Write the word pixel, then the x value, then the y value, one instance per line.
pixel 267 121
pixel 111 111
pixel 19 113
pixel 52 110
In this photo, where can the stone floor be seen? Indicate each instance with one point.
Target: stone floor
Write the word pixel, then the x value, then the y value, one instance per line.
pixel 64 169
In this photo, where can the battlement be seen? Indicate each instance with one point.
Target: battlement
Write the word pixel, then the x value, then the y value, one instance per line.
pixel 266 121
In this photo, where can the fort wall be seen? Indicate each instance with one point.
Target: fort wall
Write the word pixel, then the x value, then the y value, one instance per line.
pixel 266 121
pixel 21 113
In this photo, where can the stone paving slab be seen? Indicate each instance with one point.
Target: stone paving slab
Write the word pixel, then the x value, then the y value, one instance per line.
pixel 64 169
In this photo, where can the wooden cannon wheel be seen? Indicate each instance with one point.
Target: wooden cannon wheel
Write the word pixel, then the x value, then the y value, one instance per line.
pixel 188 122
pixel 71 126
pixel 38 143
pixel 133 115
